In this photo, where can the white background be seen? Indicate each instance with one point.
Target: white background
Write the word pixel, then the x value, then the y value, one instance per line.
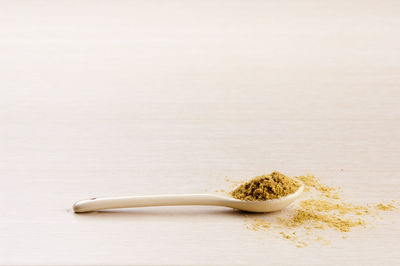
pixel 101 98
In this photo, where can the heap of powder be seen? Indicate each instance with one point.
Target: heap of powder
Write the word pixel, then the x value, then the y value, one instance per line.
pixel 266 187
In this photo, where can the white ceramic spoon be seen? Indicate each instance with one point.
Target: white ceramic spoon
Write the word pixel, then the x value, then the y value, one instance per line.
pixel 96 204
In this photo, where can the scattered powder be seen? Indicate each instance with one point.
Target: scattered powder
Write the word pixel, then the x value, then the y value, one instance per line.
pixel 285 235
pixel 293 238
pixel 320 208
pixel 234 183
pixel 266 187
pixel 323 241
pixel 319 220
pixel 341 207
pixel 258 224
pixel 385 207
pixel 311 181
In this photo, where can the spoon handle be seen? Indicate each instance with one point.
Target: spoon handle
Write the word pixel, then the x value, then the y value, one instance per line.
pixel 95 204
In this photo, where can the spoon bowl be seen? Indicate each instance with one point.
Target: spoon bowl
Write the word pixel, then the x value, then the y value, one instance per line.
pixel 95 204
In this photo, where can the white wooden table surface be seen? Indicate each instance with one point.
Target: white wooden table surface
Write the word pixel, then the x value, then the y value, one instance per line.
pixel 145 97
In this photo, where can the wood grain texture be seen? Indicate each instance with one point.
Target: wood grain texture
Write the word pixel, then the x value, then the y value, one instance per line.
pixel 105 98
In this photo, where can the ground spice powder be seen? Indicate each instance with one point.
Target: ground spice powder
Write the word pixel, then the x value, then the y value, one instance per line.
pixel 320 207
pixel 266 187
